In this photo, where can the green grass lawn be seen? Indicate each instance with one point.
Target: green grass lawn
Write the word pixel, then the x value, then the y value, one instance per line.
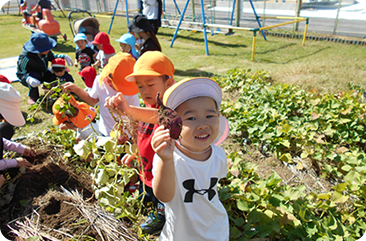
pixel 319 66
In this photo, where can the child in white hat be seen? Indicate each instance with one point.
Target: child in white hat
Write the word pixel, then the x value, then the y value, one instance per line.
pixel 10 111
pixel 186 171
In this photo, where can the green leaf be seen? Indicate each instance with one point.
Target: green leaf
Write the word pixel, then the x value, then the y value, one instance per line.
pixel 34 238
pixel 234 232
pixel 285 143
pixel 346 168
pixel 332 223
pixel 286 158
pixel 339 197
pixel 324 196
pixel 243 205
pixel 286 128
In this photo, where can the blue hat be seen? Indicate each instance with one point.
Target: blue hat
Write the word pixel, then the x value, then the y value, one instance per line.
pixel 39 43
pixel 82 29
pixel 129 39
pixel 80 36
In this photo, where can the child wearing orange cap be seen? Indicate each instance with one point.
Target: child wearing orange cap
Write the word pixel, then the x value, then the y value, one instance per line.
pixel 79 120
pixel 106 50
pixel 153 73
pixel 110 82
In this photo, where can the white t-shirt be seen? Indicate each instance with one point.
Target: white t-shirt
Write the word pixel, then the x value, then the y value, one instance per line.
pixel 150 9
pixel 103 58
pixel 196 213
pixel 101 92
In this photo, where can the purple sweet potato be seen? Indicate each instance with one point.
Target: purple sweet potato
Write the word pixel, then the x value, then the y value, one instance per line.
pixel 169 118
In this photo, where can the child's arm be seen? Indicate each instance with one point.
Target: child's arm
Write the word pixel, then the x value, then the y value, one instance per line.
pixel 95 57
pixel 148 115
pixel 81 93
pixel 96 64
pixel 35 7
pixel 164 178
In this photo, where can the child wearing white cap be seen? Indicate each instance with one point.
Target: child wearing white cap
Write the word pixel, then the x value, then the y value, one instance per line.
pixel 186 171
pixel 10 110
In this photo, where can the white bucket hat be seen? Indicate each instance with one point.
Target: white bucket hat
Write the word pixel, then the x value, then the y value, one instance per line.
pixel 197 87
pixel 10 105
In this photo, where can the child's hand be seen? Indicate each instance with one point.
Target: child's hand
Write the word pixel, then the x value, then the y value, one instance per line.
pixel 76 65
pixel 117 102
pixel 23 162
pixel 162 144
pixel 29 152
pixel 71 87
pixel 67 125
pixel 127 160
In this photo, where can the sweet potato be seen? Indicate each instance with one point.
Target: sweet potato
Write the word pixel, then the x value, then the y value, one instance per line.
pixel 169 118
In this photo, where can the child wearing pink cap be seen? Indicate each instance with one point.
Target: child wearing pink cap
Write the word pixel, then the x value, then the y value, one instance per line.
pixel 106 50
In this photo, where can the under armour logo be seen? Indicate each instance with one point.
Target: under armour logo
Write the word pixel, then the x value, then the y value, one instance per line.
pixel 189 185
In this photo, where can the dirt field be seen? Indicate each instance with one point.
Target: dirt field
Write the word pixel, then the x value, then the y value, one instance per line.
pixel 39 196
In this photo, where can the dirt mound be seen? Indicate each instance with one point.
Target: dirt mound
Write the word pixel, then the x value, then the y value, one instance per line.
pixel 37 198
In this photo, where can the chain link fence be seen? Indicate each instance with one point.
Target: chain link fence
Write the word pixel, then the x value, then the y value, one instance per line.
pixel 336 17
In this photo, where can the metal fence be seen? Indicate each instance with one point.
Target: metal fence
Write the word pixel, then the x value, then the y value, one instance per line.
pixel 340 17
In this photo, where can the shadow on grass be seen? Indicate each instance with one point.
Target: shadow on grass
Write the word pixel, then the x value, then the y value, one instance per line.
pixel 193 73
pixel 64 47
pixel 201 40
pixel 308 54
pixel 275 49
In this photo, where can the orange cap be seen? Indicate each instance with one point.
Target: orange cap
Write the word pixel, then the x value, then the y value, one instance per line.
pixel 80 120
pixel 118 67
pixel 152 63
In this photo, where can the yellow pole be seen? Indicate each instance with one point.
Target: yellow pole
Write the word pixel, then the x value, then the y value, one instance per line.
pixel 305 32
pixel 281 24
pixel 253 47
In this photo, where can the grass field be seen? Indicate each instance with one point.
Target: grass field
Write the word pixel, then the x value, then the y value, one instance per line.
pixel 319 66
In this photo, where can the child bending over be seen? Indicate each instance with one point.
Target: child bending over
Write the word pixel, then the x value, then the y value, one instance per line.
pixel 80 121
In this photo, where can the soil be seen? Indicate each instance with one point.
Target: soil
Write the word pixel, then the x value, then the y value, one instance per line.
pixel 38 195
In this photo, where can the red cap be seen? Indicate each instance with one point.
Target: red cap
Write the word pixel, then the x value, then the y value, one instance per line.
pixel 59 62
pixel 89 74
pixel 4 79
pixel 103 39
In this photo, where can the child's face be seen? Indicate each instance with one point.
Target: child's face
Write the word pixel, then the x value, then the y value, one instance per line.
pixel 200 123
pixel 60 73
pixel 125 48
pixel 90 37
pixel 81 44
pixel 149 86
pixel 99 46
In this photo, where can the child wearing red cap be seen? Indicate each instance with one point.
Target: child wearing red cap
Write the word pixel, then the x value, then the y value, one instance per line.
pixel 106 50
pixel 4 79
pixel 79 121
pixel 88 74
pixel 60 71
